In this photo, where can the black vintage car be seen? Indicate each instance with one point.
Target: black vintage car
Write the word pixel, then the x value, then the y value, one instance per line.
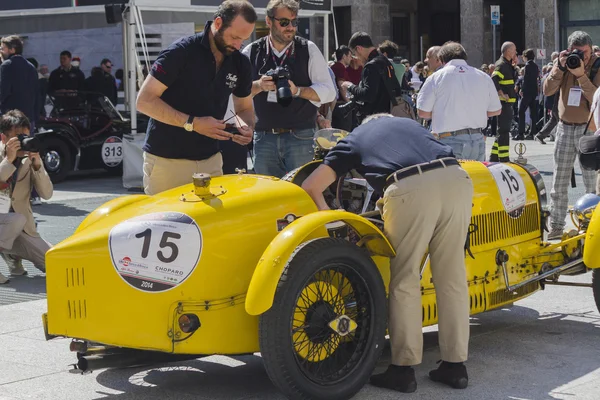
pixel 83 131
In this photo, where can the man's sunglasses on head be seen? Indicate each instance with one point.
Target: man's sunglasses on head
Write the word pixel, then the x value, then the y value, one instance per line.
pixel 285 22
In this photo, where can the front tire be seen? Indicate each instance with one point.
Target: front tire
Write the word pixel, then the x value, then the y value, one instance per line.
pixel 57 159
pixel 596 287
pixel 325 332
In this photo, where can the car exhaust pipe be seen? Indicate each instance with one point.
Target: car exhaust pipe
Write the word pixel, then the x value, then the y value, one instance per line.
pixel 543 275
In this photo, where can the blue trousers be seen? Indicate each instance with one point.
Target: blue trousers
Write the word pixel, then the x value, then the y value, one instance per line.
pixel 278 154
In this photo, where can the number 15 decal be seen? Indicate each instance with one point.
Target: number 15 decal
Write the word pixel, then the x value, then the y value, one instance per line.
pixel 510 186
pixel 156 252
pixel 164 242
pixel 515 184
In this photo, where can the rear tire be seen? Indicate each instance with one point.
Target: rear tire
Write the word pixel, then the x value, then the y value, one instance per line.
pixel 596 287
pixel 57 158
pixel 326 279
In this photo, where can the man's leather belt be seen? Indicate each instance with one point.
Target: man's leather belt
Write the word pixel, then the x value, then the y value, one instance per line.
pixel 467 131
pixel 419 169
pixel 277 131
pixel 573 123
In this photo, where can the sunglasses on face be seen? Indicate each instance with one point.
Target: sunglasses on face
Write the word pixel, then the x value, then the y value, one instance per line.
pixel 108 66
pixel 285 22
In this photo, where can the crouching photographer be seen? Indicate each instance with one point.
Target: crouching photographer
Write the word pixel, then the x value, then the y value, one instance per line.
pixel 575 76
pixel 20 169
pixel 378 88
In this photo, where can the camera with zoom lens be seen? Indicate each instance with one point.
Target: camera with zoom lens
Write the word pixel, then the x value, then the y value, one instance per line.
pixel 281 76
pixel 30 143
pixel 574 59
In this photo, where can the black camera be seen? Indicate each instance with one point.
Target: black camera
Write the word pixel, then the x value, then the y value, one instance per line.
pixel 280 76
pixel 30 143
pixel 574 59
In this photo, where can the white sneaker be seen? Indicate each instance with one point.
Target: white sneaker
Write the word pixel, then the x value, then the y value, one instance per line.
pixel 555 234
pixel 15 265
pixel 3 279
pixel 36 201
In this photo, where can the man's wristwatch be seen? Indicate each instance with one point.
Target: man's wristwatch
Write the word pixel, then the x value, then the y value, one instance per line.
pixel 298 92
pixel 189 125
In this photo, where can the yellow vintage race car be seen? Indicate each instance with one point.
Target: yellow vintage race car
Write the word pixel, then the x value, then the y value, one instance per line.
pixel 245 263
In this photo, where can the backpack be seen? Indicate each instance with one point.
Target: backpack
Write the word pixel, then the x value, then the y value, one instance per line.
pixel 398 107
pixel 589 152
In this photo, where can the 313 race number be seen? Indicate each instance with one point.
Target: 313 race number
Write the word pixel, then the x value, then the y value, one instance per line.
pixel 112 151
pixel 510 185
pixel 156 252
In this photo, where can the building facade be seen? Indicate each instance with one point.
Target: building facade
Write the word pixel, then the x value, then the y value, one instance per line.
pixel 415 25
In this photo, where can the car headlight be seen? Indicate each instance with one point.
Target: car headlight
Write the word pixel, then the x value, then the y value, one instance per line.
pixel 585 206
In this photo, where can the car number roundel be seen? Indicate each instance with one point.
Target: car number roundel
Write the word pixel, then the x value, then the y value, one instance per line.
pixel 112 151
pixel 510 185
pixel 156 252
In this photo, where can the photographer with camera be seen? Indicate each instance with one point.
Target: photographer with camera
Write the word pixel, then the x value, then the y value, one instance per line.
pixel 20 169
pixel 575 76
pixel 378 87
pixel 291 81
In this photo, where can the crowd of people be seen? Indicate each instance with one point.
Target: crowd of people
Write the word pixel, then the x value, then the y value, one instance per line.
pixel 409 123
pixel 26 83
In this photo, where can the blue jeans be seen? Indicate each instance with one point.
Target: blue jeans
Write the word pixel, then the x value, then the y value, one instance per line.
pixel 467 146
pixel 278 154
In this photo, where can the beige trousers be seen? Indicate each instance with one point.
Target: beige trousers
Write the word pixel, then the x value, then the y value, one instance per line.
pixel 431 210
pixel 15 242
pixel 598 184
pixel 162 174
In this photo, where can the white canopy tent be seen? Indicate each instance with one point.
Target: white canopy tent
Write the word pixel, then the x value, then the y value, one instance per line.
pixel 79 15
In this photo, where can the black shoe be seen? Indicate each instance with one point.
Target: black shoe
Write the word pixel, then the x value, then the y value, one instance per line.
pixel 519 137
pixel 528 137
pixel 453 375
pixel 539 138
pixel 400 379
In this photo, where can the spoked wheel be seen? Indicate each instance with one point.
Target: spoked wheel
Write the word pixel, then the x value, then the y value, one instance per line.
pixel 325 332
pixel 596 287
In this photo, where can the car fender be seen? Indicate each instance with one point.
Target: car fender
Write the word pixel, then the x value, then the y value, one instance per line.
pixel 591 250
pixel 276 257
pixel 64 131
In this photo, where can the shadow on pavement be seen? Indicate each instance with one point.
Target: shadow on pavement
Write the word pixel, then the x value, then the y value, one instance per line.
pixel 94 181
pixel 23 288
pixel 514 353
pixel 58 209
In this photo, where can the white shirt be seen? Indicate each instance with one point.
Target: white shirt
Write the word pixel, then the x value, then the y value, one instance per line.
pixel 596 108
pixel 318 71
pixel 459 97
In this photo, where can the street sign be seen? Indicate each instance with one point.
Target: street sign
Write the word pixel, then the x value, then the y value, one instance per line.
pixel 495 15
pixel 540 54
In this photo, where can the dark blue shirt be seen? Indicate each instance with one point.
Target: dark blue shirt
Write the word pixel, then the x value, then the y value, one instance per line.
pixel 383 146
pixel 19 87
pixel 195 87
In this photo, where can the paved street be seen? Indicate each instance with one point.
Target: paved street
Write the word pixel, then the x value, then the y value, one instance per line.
pixel 544 347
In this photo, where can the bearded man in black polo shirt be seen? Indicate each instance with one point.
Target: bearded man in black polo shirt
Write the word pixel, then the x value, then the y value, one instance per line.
pixel 186 96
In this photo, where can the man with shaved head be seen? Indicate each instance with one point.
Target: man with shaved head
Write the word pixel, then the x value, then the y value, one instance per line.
pixel 504 78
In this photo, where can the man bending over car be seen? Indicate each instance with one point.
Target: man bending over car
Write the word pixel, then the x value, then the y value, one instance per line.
pixel 19 172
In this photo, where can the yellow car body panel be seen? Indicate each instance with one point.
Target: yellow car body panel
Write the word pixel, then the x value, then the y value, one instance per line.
pixel 88 299
pixel 591 250
pixel 275 258
pixel 247 241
